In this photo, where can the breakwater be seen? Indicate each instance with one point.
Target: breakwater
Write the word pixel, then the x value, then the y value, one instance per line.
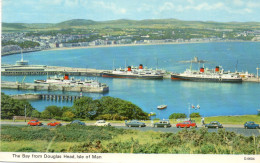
pixel 54 87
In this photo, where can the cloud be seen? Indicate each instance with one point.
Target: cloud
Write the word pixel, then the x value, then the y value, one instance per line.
pixel 238 2
pixel 167 6
pixel 253 4
pixel 110 6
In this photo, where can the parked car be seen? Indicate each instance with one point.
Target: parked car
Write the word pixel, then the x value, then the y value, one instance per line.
pixel 34 123
pixel 187 124
pixel 214 124
pixel 54 124
pixel 251 124
pixel 102 123
pixel 162 123
pixel 135 123
pixel 78 122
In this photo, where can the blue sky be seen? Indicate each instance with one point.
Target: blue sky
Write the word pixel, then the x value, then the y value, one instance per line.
pixel 55 11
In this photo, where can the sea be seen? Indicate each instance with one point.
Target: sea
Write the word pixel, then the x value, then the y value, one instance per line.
pixel 214 99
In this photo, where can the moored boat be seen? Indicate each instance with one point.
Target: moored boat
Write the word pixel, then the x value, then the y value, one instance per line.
pixel 134 73
pixel 208 75
pixel 66 80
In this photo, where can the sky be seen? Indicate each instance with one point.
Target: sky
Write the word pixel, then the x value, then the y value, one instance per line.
pixel 55 11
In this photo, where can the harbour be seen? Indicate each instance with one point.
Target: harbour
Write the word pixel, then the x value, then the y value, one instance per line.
pixel 214 98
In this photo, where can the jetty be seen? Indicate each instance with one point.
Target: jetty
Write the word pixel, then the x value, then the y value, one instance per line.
pixel 54 87
pixel 53 97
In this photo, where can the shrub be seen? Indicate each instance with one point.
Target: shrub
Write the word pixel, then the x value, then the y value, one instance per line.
pixel 194 115
pixel 68 116
pixel 177 115
pixel 36 114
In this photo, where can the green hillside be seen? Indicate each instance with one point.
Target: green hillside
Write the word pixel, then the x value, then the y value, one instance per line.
pixel 149 23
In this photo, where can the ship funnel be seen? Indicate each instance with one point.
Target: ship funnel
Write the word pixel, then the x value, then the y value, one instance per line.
pixel 66 77
pixel 140 66
pixel 201 69
pixel 217 69
pixel 129 68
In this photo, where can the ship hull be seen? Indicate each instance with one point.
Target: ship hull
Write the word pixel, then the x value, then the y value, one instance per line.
pixel 110 75
pixel 224 80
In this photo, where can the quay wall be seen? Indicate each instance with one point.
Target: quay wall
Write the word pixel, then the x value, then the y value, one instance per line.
pixel 54 87
pixel 27 96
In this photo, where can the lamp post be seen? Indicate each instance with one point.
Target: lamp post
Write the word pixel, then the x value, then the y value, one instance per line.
pixel 25 114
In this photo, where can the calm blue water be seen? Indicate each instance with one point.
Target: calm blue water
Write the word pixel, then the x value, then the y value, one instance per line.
pixel 214 98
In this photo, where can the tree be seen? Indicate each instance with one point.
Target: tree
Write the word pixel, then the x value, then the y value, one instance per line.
pixel 194 115
pixel 46 114
pixel 68 116
pixel 36 114
pixel 177 115
pixel 55 111
pixel 86 107
pixel 11 107
pixel 110 105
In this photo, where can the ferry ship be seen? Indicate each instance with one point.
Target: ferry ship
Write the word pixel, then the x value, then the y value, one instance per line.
pixel 59 80
pixel 134 73
pixel 208 75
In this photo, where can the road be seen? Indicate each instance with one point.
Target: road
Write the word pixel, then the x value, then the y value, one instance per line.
pixel 232 128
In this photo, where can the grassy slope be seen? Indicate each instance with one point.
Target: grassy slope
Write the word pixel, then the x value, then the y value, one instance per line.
pixel 129 141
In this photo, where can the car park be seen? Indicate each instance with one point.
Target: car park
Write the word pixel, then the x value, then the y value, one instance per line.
pixel 214 124
pixel 34 123
pixel 134 123
pixel 162 123
pixel 54 124
pixel 78 122
pixel 187 124
pixel 251 125
pixel 102 123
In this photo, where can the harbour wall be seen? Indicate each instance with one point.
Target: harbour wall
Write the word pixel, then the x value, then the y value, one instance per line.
pixel 53 87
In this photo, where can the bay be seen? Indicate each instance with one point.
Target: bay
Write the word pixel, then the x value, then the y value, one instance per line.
pixel 214 98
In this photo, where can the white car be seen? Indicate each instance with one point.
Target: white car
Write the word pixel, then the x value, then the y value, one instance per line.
pixel 102 123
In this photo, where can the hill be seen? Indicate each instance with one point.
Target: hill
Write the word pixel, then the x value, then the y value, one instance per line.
pixel 125 23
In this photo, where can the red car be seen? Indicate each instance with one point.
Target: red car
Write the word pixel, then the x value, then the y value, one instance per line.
pixel 54 124
pixel 34 123
pixel 187 124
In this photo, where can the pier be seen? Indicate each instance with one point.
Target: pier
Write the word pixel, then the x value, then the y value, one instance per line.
pixel 13 70
pixel 53 97
pixel 53 87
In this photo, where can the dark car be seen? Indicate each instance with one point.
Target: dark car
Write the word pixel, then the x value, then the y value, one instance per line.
pixel 162 123
pixel 78 122
pixel 251 124
pixel 135 123
pixel 214 124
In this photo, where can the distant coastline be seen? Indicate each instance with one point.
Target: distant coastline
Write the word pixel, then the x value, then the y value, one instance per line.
pixel 127 45
pixel 141 44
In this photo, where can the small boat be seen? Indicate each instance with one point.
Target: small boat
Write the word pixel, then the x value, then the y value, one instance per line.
pixel 160 107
